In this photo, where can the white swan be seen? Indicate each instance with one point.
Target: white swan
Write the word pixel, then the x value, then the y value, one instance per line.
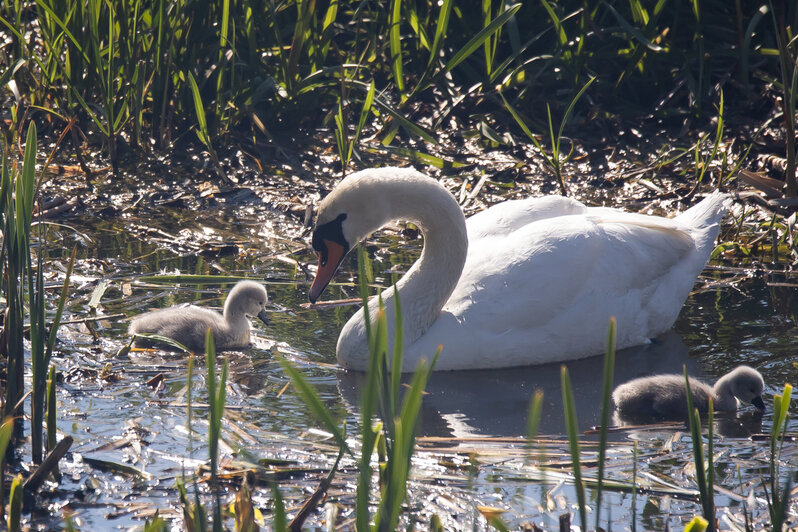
pixel 523 282
pixel 188 324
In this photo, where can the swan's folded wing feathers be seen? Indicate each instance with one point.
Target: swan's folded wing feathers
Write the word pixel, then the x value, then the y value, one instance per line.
pixel 509 216
pixel 516 282
pixel 638 253
pixel 523 274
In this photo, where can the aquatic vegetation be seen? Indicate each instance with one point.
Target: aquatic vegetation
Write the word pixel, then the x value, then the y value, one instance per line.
pixel 704 470
pixel 381 397
pixel 555 160
pixel 216 401
pixel 778 500
pixel 141 73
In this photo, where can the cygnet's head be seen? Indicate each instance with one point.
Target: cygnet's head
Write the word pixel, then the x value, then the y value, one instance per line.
pixel 747 385
pixel 248 298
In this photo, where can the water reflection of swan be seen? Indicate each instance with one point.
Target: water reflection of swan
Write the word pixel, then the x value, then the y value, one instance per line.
pixel 525 282
pixel 496 402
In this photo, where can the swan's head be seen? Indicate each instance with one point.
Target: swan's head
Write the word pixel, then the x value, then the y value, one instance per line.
pixel 747 385
pixel 360 204
pixel 248 298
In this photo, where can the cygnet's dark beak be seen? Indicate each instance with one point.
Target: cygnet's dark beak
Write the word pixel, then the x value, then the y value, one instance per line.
pixel 262 316
pixel 758 402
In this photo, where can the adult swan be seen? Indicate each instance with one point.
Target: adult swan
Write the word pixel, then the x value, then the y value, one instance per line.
pixel 523 282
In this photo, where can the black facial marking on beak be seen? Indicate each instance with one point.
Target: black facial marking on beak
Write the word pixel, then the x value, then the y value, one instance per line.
pixel 331 246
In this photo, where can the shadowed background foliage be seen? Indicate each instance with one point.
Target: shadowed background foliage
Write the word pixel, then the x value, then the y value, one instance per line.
pixel 265 69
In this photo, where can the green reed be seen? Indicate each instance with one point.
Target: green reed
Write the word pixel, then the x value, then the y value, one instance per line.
pixel 606 393
pixel 194 516
pixel 704 470
pixel 124 68
pixel 216 401
pixel 572 428
pixel 15 505
pixel 6 432
pixel 778 500
pixel 788 66
pixel 395 433
pixel 25 276
pixel 50 413
pixel 555 158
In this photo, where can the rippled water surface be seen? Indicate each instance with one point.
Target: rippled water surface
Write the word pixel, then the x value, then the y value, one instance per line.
pixel 470 420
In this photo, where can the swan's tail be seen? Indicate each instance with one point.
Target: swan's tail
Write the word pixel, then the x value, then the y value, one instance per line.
pixel 703 220
pixel 708 211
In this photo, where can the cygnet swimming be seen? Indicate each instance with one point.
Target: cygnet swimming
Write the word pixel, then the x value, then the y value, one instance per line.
pixel 188 324
pixel 662 397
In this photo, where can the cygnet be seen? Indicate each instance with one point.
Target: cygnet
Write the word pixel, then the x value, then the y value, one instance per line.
pixel 661 397
pixel 188 324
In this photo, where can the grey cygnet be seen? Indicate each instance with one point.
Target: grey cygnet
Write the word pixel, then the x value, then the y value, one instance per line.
pixel 664 396
pixel 188 324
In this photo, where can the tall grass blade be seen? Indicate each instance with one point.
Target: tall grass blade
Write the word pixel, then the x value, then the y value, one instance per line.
pixel 311 398
pixel 778 501
pixel 703 478
pixel 216 400
pixel 396 46
pixel 59 310
pixel 441 28
pixel 606 392
pixel 572 426
pixel 280 522
pixel 15 505
pixel 477 40
pixel 51 414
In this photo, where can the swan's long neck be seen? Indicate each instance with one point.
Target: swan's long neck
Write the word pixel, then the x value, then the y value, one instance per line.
pixel 429 283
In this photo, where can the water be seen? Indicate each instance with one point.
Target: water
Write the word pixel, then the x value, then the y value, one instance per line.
pixel 106 404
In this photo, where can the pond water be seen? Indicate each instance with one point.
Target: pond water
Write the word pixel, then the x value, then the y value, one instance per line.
pixel 469 454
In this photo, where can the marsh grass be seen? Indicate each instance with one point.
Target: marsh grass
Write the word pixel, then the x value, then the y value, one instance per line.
pixel 14 522
pixel 606 393
pixel 135 72
pixel 704 468
pixel 554 159
pixel 788 66
pixel 572 428
pixel 777 499
pixel 393 437
pixel 216 400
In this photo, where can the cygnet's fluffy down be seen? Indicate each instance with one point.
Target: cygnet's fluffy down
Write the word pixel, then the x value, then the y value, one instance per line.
pixel 662 397
pixel 188 324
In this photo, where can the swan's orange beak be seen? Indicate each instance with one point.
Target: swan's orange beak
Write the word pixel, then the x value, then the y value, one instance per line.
pixel 326 269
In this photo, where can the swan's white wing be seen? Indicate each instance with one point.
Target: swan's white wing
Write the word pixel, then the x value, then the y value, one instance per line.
pixel 550 287
pixel 506 217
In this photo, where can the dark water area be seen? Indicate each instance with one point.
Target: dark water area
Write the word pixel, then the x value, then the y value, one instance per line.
pixel 106 404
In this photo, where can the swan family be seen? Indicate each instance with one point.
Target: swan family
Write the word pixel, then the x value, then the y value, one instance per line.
pixel 188 324
pixel 523 282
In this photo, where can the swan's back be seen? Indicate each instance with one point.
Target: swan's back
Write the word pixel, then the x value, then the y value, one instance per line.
pixel 540 284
